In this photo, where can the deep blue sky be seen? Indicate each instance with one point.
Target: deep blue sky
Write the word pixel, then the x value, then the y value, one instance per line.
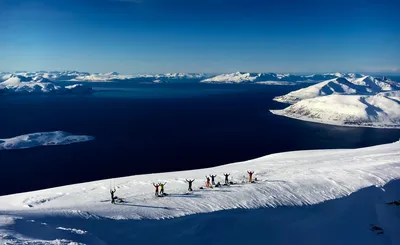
pixel 158 36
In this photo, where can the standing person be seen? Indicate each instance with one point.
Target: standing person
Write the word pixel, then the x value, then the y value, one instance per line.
pixel 112 191
pixel 190 184
pixel 207 182
pixel 212 179
pixel 162 188
pixel 250 175
pixel 156 186
pixel 226 179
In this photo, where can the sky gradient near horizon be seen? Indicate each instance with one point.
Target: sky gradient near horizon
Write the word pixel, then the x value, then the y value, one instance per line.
pixel 159 36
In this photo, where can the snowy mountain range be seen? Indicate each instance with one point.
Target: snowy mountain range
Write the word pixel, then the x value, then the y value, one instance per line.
pixel 38 84
pixel 237 77
pixel 304 197
pixel 266 78
pixel 74 76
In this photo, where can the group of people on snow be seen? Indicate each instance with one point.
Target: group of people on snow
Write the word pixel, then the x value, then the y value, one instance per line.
pixel 210 181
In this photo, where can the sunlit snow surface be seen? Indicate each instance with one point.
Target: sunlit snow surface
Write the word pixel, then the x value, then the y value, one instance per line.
pixel 294 180
pixel 42 139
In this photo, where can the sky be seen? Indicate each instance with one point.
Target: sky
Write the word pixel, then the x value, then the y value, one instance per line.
pixel 212 36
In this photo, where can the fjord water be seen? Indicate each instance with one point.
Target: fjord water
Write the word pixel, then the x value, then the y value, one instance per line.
pixel 157 128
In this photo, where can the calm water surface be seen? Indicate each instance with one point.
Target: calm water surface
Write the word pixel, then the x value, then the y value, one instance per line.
pixel 156 128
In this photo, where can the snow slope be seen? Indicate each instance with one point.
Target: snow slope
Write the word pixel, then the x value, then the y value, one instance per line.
pixel 82 212
pixel 341 85
pixel 347 110
pixel 42 139
pixel 392 94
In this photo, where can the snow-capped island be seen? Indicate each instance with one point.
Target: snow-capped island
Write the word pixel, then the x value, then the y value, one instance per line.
pixel 366 85
pixel 42 139
pixel 305 197
pixel 348 100
pixel 377 111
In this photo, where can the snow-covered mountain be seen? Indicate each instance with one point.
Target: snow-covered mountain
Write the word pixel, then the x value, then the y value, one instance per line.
pixel 348 110
pixel 114 76
pixel 373 84
pixel 267 78
pixel 101 77
pixel 323 197
pixel 352 85
pixel 37 84
pixel 237 77
pixel 246 77
pixel 181 75
pixel 34 85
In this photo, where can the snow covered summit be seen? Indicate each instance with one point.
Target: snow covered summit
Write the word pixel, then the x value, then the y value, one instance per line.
pixel 357 86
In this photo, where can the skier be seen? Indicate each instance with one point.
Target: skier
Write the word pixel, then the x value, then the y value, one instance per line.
pixel 156 186
pixel 112 191
pixel 162 188
pixel 212 179
pixel 226 179
pixel 250 175
pixel 190 184
pixel 208 182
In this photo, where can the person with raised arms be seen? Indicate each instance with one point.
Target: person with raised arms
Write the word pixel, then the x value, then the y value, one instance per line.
pixel 190 182
pixel 226 178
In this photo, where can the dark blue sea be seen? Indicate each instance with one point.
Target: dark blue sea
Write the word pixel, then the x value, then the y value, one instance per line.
pixel 152 128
